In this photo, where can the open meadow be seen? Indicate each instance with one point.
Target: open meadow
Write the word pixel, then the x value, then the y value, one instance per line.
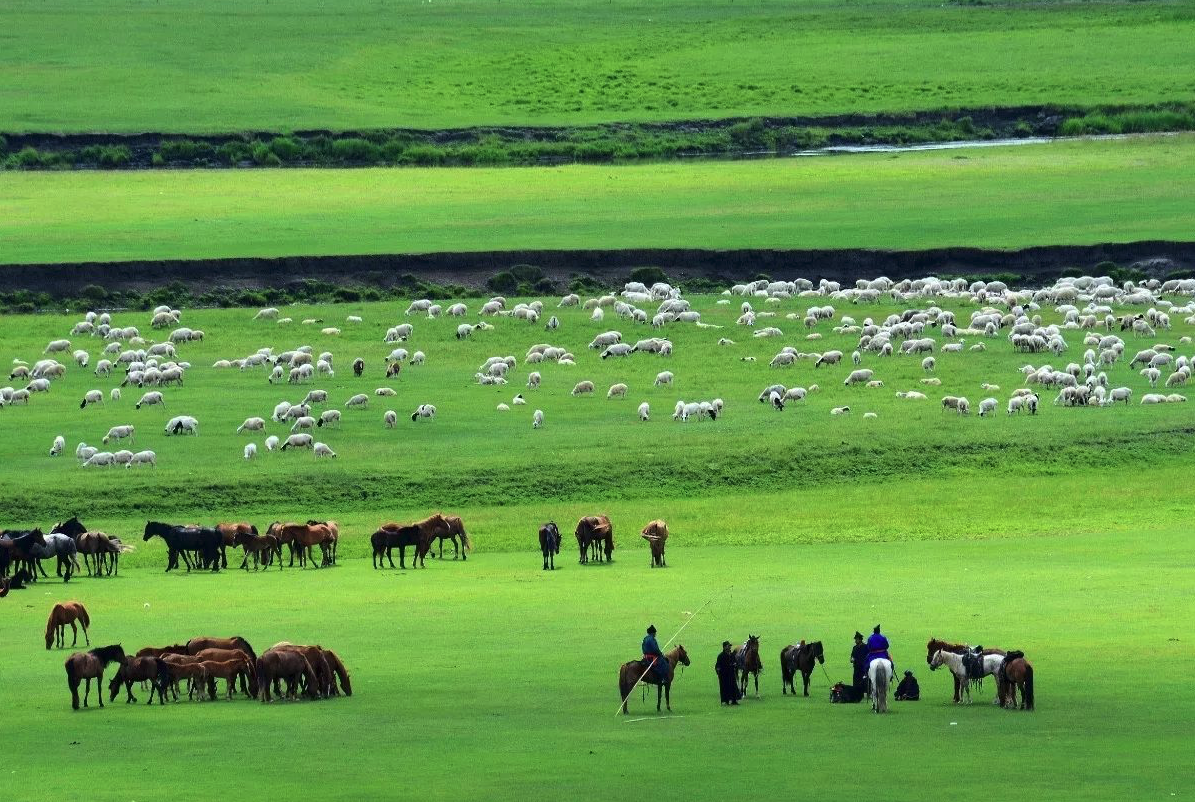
pixel 1077 192
pixel 198 66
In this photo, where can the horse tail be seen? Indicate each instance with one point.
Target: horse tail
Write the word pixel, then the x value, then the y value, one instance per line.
pixel 1027 694
pixel 83 616
pixel 624 687
pixel 881 690
pixel 467 544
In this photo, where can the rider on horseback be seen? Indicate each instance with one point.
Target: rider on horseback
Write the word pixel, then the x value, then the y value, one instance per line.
pixel 653 656
pixel 877 647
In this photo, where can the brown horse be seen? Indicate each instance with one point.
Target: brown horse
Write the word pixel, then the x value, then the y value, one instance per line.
pixel 228 670
pixel 1016 674
pixel 88 666
pixel 656 534
pixel 958 648
pixel 434 526
pixel 342 673
pixel 98 547
pixel 188 667
pixel 317 658
pixel 67 613
pixel 300 538
pixel 279 664
pixel 595 530
pixel 800 658
pixel 155 651
pixel 248 675
pixel 140 669
pixel 747 658
pixel 456 528
pixel 632 673
pixel 393 535
pixel 263 549
pixel 334 529
pixel 228 533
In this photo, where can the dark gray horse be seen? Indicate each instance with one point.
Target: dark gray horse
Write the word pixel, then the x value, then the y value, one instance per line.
pixel 64 548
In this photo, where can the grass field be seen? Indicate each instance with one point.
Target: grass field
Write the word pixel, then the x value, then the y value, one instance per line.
pixel 1061 534
pixel 198 65
pixel 1063 193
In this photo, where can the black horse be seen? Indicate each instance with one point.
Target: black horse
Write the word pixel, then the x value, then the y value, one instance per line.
pixel 182 539
pixel 385 540
pixel 21 551
pixel 802 659
pixel 549 544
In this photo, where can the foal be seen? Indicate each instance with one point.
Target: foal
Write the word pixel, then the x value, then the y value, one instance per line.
pixel 67 613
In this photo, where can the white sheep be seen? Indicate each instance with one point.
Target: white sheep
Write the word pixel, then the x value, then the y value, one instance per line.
pixel 619 390
pixel 359 400
pixel 182 423
pixel 503 407
pixel 464 331
pixel 120 433
pixel 81 358
pixel 533 379
pixel 840 411
pixel 305 422
pixel 143 458
pixel 857 359
pixel 537 419
pixel 329 417
pixel 302 440
pixel 644 411
pixel 322 450
pixel 57 446
pixel 424 411
pixel 250 424
pixel 390 418
pixel 582 388
pixel 100 458
pixel 269 313
pixel 385 391
pixel 987 406
pixel 776 400
pixel 912 395
pixel 250 450
pixel 418 358
pixel 272 443
pixel 861 376
pixel 518 400
pixel 928 364
pixel 870 416
pixel 91 397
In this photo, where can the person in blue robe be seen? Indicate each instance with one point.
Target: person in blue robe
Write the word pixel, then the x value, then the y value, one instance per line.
pixel 877 647
pixel 651 650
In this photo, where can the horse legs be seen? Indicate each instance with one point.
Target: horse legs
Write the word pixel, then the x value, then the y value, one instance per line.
pixel 756 675
pixel 87 691
pixel 659 696
pixel 390 555
pixel 74 634
pixel 668 696
pixel 805 679
pixel 73 684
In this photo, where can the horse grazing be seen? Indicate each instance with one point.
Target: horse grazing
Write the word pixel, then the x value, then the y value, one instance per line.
pixel 455 529
pixel 390 536
pixel 935 645
pixel 279 664
pixel 595 530
pixel 747 659
pixel 341 673
pixel 965 675
pixel 1017 674
pixel 656 534
pixel 799 658
pixel 188 667
pixel 67 613
pixel 90 665
pixel 140 669
pixel 184 539
pixel 549 544
pixel 320 665
pixel 879 675
pixel 632 673
pixel 263 549
pixel 228 537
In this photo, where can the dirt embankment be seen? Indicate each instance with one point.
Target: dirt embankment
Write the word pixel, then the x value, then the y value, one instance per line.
pixel 1034 265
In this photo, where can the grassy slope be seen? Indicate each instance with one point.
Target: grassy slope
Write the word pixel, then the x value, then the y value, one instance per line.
pixel 199 65
pixel 492 679
pixel 1063 193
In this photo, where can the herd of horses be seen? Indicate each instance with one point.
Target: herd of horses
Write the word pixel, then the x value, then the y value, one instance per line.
pixel 286 670
pixel 419 535
pixel 22 552
pixel 969 665
pixel 595 541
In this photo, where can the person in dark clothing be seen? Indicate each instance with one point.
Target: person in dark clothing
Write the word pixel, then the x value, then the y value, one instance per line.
pixel 859 661
pixel 727 671
pixel 653 655
pixel 908 690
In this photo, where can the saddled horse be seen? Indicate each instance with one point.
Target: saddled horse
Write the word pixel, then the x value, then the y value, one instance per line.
pixel 394 535
pixel 263 549
pixel 549 544
pixel 985 665
pixel 595 530
pixel 749 664
pixel 632 673
pixel 90 665
pixel 456 528
pixel 67 613
pixel 184 539
pixel 799 658
pixel 879 676
pixel 957 648
pixel 228 537
pixel 656 535
pixel 1017 674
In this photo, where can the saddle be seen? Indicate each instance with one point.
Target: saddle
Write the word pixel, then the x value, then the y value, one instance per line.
pixel 973 663
pixel 1008 658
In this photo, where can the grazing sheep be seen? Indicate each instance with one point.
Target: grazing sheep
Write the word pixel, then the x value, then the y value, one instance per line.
pixel 390 418
pixel 1151 375
pixel 57 446
pixel 303 440
pixel 464 331
pixel 857 359
pixel 537 419
pixel 874 384
pixel 644 411
pixel 359 400
pixel 861 376
pixel 38 386
pixel 305 422
pixel 828 358
pixel 776 400
pixel 143 458
pixel 103 368
pixel 912 395
pixel 183 423
pixel 418 358
pixel 928 364
pixel 840 411
pixel 782 359
pixel 250 424
pixel 322 450
pixel 618 349
pixel 597 314
pixel 358 366
pixel 569 300
pixel 385 391
pixel 272 443
pixel 57 346
pixel 423 411
pixel 269 313
pixel 583 387
pixel 989 387
pixel 794 394
pixel 553 323
pixel 1153 398
pixel 91 397
pixel 503 407
pixel 533 379
pixel 664 377
pixel 315 397
pixel 120 433
pixel 100 458
pixel 933 381
pixel 870 416
pixel 606 339
pixel 987 406
pixel 353 319
pixel 518 400
pixel 82 358
pixel 619 390
pixel 250 450
pixel 329 417
pixel 1120 394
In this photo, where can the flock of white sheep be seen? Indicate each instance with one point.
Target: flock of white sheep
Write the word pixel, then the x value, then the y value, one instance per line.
pixel 1095 311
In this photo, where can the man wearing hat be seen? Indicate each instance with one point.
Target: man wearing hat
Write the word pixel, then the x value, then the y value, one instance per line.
pixel 908 690
pixel 859 661
pixel 727 671
pixel 652 653
pixel 877 647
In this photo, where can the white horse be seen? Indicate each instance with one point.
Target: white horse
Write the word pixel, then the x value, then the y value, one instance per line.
pixel 879 673
pixel 991 665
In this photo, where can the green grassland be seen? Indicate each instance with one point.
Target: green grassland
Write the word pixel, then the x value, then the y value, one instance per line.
pixel 1062 534
pixel 204 65
pixel 1061 193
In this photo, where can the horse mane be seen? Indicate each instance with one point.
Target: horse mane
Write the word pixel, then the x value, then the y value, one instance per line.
pixel 237 639
pixel 109 654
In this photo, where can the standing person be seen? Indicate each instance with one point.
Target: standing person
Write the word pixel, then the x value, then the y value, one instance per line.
pixel 859 661
pixel 653 655
pixel 877 647
pixel 727 671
